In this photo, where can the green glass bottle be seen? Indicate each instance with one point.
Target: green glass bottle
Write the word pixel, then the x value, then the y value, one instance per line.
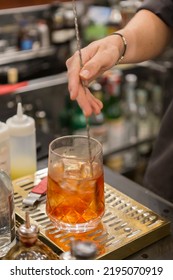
pixel 65 115
pixel 113 91
pixel 78 120
pixel 98 127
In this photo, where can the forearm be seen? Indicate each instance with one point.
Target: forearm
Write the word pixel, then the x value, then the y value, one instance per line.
pixel 146 36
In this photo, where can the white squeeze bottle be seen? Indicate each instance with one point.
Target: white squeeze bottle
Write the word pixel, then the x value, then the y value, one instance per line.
pixel 23 160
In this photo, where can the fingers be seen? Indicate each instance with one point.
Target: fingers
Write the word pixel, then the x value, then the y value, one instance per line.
pixel 73 67
pixel 97 57
pixel 88 103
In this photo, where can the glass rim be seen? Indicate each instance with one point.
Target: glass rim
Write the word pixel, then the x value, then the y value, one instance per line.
pixel 74 136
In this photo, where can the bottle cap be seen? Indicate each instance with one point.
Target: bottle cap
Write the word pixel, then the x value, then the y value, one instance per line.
pixel 28 233
pixel 131 78
pixel 4 132
pixel 21 124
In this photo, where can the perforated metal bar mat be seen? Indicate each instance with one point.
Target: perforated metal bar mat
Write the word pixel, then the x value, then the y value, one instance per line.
pixel 126 227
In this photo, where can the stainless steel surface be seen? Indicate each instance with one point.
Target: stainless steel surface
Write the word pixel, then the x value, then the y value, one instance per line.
pixel 126 227
pixel 23 9
pixel 17 56
pixel 44 83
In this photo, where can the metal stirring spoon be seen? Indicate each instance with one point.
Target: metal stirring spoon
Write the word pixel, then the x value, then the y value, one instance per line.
pixel 81 65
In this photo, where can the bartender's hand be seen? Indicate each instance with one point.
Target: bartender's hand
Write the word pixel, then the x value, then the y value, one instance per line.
pixel 101 55
pixel 97 57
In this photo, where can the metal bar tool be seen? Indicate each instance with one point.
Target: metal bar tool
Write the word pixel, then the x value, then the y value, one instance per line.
pixel 81 65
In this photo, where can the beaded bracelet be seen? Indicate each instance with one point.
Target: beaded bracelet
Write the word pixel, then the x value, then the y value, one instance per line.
pixel 125 46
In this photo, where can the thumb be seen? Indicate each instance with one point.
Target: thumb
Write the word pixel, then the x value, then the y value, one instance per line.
pixel 88 74
pixel 86 77
pixel 95 67
pixel 85 74
pixel 91 69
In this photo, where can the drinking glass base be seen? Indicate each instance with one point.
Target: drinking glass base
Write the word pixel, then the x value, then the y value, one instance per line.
pixel 76 228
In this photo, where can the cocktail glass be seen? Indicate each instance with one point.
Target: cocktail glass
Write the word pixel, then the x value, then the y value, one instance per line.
pixel 75 191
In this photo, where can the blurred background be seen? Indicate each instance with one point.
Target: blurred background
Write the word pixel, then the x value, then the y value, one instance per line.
pixel 36 38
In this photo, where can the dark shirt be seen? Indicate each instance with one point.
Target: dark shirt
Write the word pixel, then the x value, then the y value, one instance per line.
pixel 162 8
pixel 159 173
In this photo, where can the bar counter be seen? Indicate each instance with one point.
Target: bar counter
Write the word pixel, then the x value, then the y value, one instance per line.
pixel 160 250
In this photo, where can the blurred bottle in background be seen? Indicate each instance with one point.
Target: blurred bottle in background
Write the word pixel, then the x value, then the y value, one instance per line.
pixel 131 118
pixel 65 115
pixel 62 31
pixel 98 127
pixel 112 101
pixel 43 33
pixel 41 118
pixel 115 17
pixel 7 215
pixel 78 120
pixel 112 83
pixel 128 9
pixel 25 39
pixel 156 106
pixel 145 127
pixel 4 148
pixel 113 108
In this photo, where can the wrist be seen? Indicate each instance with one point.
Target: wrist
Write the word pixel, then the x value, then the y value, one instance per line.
pixel 122 46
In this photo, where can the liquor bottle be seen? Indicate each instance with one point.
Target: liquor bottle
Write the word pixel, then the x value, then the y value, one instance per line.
pixel 25 40
pixel 128 9
pixel 156 107
pixel 22 144
pixel 115 18
pixel 131 119
pixel 144 121
pixel 65 116
pixel 41 119
pixel 145 131
pixel 113 108
pixel 7 214
pixel 130 107
pixel 4 148
pixel 78 120
pixel 80 250
pixel 113 91
pixel 98 127
pixel 62 33
pixel 43 33
pixel 29 247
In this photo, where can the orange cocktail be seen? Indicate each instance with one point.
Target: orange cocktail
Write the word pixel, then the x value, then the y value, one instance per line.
pixel 75 193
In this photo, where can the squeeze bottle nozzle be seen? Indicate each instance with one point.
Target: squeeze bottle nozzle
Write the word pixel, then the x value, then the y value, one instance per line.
pixel 19 111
